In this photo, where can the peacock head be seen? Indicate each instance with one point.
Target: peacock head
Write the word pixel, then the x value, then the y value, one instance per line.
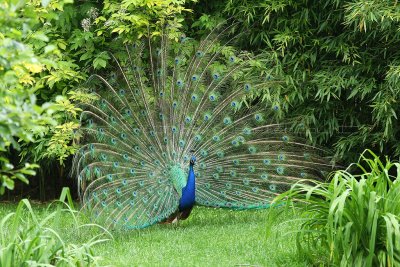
pixel 192 160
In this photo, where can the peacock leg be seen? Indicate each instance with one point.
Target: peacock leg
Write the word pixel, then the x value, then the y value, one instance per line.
pixel 171 219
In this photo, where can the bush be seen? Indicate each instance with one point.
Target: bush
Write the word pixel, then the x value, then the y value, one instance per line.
pixel 354 218
pixel 26 240
pixel 337 62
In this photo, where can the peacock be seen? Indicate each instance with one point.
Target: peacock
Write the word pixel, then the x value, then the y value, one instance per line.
pixel 181 122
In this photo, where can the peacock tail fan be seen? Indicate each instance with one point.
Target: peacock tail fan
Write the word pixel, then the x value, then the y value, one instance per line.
pixel 166 98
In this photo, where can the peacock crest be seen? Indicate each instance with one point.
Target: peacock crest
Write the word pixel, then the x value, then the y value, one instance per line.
pixel 168 101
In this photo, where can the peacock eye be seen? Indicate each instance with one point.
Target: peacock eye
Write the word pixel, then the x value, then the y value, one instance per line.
pixel 227 121
pixel 252 150
pixel 182 143
pixel 280 170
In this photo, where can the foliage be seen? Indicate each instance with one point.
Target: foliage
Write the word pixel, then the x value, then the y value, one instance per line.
pixel 335 64
pixel 19 67
pixel 37 66
pixel 26 239
pixel 109 26
pixel 355 218
pixel 56 142
pixel 47 48
pixel 8 174
pixel 338 60
pixel 90 40
pixel 132 19
pixel 66 197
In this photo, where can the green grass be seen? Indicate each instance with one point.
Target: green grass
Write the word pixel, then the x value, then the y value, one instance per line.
pixel 32 238
pixel 210 237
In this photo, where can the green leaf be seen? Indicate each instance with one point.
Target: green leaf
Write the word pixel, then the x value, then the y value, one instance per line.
pixel 49 48
pixel 86 55
pixel 8 183
pixel 22 178
pixel 45 3
pixel 99 63
pixel 40 36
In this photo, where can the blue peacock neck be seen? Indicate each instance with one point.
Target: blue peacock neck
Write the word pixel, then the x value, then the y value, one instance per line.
pixel 189 191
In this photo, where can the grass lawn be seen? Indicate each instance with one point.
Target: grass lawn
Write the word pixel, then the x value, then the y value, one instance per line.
pixel 210 237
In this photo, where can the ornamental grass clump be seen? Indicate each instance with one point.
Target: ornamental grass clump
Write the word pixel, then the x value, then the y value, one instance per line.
pixel 30 240
pixel 354 218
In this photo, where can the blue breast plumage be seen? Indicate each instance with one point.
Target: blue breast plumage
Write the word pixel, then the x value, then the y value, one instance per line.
pixel 188 192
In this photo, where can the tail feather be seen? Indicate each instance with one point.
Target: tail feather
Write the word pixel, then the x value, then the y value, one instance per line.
pixel 165 99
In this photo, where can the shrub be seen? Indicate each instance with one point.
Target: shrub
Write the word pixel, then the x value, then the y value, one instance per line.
pixel 354 218
pixel 26 240
pixel 338 60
